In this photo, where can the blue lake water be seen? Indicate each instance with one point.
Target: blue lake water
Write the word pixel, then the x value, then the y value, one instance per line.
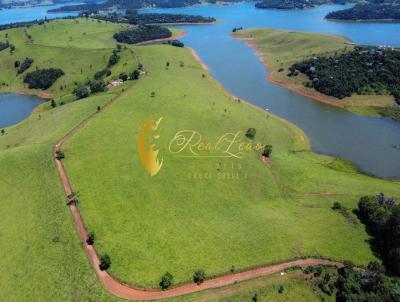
pixel 16 107
pixel 29 14
pixel 367 142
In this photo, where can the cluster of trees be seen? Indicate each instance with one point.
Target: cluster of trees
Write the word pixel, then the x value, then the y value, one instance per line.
pixel 365 70
pixel 142 33
pixel 24 65
pixel 42 78
pixel 199 277
pixel 382 218
pixel 368 11
pixel 132 17
pixel 114 58
pixel 295 4
pixel 366 285
pixel 30 23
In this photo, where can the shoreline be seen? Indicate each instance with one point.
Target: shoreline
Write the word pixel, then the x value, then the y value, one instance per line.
pixel 302 136
pixel 311 94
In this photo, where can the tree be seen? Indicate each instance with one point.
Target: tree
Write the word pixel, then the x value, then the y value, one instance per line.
pixel 17 63
pixel 97 86
pixel 114 58
pixel 81 92
pixel 60 155
pixel 105 262
pixel 123 76
pixel 199 276
pixel 3 131
pixel 250 133
pixel 53 104
pixel 267 150
pixel 90 239
pixel 166 280
pixel 135 74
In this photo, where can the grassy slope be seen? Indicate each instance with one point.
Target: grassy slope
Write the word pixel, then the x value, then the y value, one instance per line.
pixel 42 256
pixel 283 48
pixel 80 47
pixel 174 223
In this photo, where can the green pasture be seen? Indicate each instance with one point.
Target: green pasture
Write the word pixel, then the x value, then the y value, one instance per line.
pixel 192 215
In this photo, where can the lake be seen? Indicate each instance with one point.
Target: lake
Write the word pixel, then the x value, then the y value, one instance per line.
pixel 367 142
pixel 16 107
pixel 30 13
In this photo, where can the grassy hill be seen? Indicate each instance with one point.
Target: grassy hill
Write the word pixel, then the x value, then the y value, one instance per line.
pixel 178 220
pixel 280 49
pixel 191 215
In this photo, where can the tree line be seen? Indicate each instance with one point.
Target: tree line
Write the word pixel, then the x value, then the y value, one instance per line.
pixel 131 16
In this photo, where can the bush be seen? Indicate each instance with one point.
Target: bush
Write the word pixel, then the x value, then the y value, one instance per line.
pixel 135 75
pixel 123 76
pixel 267 151
pixel 166 280
pixel 199 276
pixel 81 92
pixel 42 78
pixel 337 206
pixel 105 262
pixel 90 238
pixel 250 133
pixel 60 155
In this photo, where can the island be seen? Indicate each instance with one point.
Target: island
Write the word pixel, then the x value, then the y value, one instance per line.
pixel 295 4
pixel 331 69
pixel 386 11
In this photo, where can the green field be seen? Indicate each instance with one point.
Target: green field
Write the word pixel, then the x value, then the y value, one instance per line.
pixel 176 221
pixel 280 49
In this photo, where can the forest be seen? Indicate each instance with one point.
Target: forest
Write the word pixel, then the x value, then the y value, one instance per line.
pixel 142 33
pixel 42 78
pixel 368 11
pixel 132 17
pixel 363 71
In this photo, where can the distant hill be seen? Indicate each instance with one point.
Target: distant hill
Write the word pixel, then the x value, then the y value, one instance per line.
pixel 368 11
pixel 295 4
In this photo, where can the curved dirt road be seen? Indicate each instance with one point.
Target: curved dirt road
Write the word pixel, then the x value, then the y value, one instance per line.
pixel 129 292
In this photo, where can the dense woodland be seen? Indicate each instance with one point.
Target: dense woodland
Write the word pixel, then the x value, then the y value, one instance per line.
pixel 132 17
pixel 364 71
pixel 142 33
pixel 368 11
pixel 382 216
pixel 42 78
